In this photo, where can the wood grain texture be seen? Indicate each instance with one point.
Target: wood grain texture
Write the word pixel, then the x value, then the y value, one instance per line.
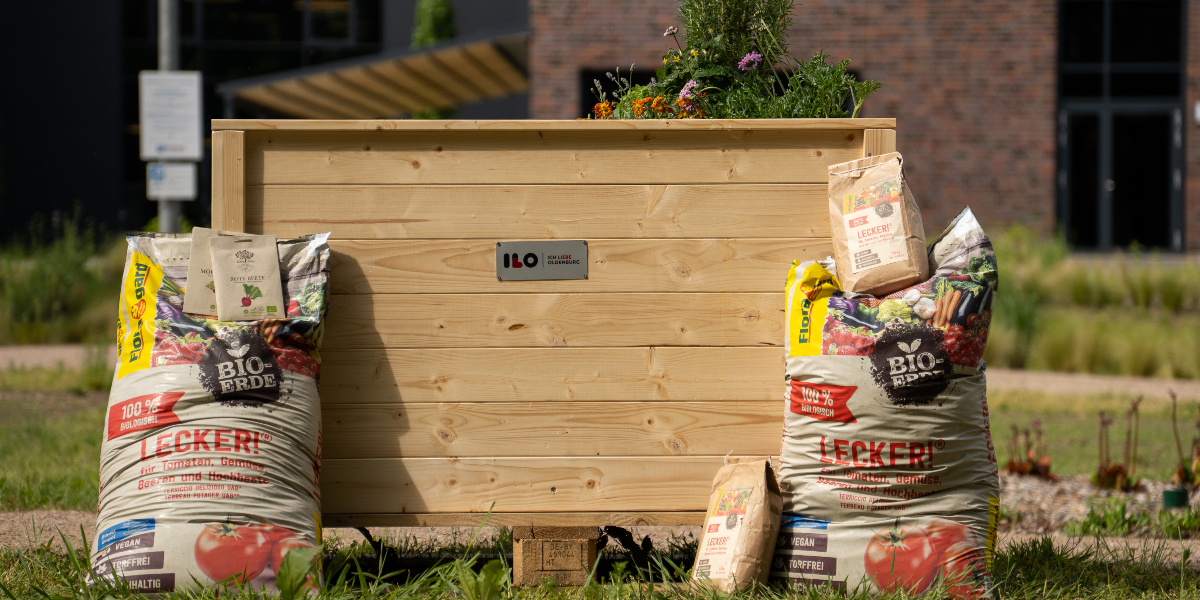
pixel 265 95
pixel 559 429
pixel 547 157
pixel 228 180
pixel 409 266
pixel 553 320
pixel 531 212
pixel 559 484
pixel 498 519
pixel 555 533
pixel 879 141
pixel 670 374
pixel 551 125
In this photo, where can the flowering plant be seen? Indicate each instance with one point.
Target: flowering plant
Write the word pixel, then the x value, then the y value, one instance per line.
pixel 733 63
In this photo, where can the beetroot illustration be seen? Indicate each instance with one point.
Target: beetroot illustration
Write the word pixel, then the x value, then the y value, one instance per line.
pixel 252 292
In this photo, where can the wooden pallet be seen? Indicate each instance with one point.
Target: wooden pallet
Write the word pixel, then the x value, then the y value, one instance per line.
pixel 605 401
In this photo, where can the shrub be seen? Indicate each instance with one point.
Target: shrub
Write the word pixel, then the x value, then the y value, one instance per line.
pixel 734 63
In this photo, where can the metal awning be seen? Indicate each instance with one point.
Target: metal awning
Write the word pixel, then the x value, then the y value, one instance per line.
pixel 392 83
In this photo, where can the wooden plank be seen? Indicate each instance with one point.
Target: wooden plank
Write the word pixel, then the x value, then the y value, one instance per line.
pixel 552 125
pixel 497 66
pixel 555 533
pixel 423 266
pixel 383 87
pixel 397 71
pixel 345 93
pixel 228 180
pixel 530 212
pixel 553 320
pixel 558 484
pixel 264 95
pixel 674 374
pixel 431 68
pixel 317 97
pixel 879 141
pixel 558 429
pixel 561 157
pixel 495 519
pixel 467 67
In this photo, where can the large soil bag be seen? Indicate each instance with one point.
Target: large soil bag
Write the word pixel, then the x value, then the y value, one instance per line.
pixel 888 471
pixel 212 444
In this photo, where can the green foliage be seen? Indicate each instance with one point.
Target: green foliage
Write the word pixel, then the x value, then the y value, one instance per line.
pixel 295 571
pixel 486 585
pixel 734 63
pixel 50 462
pixel 1025 570
pixel 58 284
pixel 433 22
pixel 1113 517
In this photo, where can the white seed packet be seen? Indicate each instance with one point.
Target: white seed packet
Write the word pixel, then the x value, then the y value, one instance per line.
pixel 246 277
pixel 200 297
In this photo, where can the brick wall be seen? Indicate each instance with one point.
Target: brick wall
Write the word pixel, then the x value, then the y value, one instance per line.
pixel 972 85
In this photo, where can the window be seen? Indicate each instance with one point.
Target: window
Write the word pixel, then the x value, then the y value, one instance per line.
pixel 1120 156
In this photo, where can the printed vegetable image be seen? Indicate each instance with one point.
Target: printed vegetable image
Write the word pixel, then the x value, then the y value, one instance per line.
pixel 911 558
pixel 211 286
pixel 227 551
pixel 282 547
pixel 252 292
pixel 901 558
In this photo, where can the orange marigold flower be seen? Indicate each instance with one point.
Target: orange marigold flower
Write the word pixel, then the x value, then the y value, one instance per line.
pixel 639 105
pixel 602 109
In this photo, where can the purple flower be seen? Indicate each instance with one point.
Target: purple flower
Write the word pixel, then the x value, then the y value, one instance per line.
pixel 672 30
pixel 750 61
pixel 686 92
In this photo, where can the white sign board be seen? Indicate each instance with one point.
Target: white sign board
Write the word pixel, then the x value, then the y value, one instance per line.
pixel 171 180
pixel 170 111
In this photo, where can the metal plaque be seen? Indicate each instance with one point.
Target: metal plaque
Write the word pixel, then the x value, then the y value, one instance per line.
pixel 542 260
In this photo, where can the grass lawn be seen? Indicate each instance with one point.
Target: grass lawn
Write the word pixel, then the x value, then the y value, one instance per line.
pixel 1072 427
pixel 1034 569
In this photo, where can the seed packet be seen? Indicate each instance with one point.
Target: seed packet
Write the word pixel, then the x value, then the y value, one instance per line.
pixel 878 237
pixel 741 525
pixel 200 297
pixel 246 277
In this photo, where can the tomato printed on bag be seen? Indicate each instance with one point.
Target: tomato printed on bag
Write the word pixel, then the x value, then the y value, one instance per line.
pixel 211 463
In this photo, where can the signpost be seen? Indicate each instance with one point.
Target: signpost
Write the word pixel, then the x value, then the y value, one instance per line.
pixel 170 113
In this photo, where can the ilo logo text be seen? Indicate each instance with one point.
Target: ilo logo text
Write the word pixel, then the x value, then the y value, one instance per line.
pixel 515 261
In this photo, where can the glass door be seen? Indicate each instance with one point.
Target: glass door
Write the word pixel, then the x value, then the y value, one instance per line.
pixel 1120 122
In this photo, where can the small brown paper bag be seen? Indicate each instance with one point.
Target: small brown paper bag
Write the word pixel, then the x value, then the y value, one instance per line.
pixel 200 297
pixel 741 525
pixel 246 277
pixel 878 237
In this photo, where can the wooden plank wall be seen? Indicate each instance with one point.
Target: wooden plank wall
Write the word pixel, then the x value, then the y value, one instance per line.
pixel 610 400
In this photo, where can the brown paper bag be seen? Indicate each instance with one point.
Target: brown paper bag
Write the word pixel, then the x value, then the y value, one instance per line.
pixel 200 297
pixel 878 238
pixel 741 525
pixel 246 274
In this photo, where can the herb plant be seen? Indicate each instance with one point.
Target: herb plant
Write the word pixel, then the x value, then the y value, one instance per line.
pixel 733 63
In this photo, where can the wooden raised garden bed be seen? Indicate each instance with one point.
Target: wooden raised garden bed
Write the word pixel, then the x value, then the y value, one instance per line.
pixel 609 400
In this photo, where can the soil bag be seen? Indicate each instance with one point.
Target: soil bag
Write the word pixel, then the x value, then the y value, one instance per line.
pixel 740 527
pixel 878 237
pixel 888 472
pixel 212 444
